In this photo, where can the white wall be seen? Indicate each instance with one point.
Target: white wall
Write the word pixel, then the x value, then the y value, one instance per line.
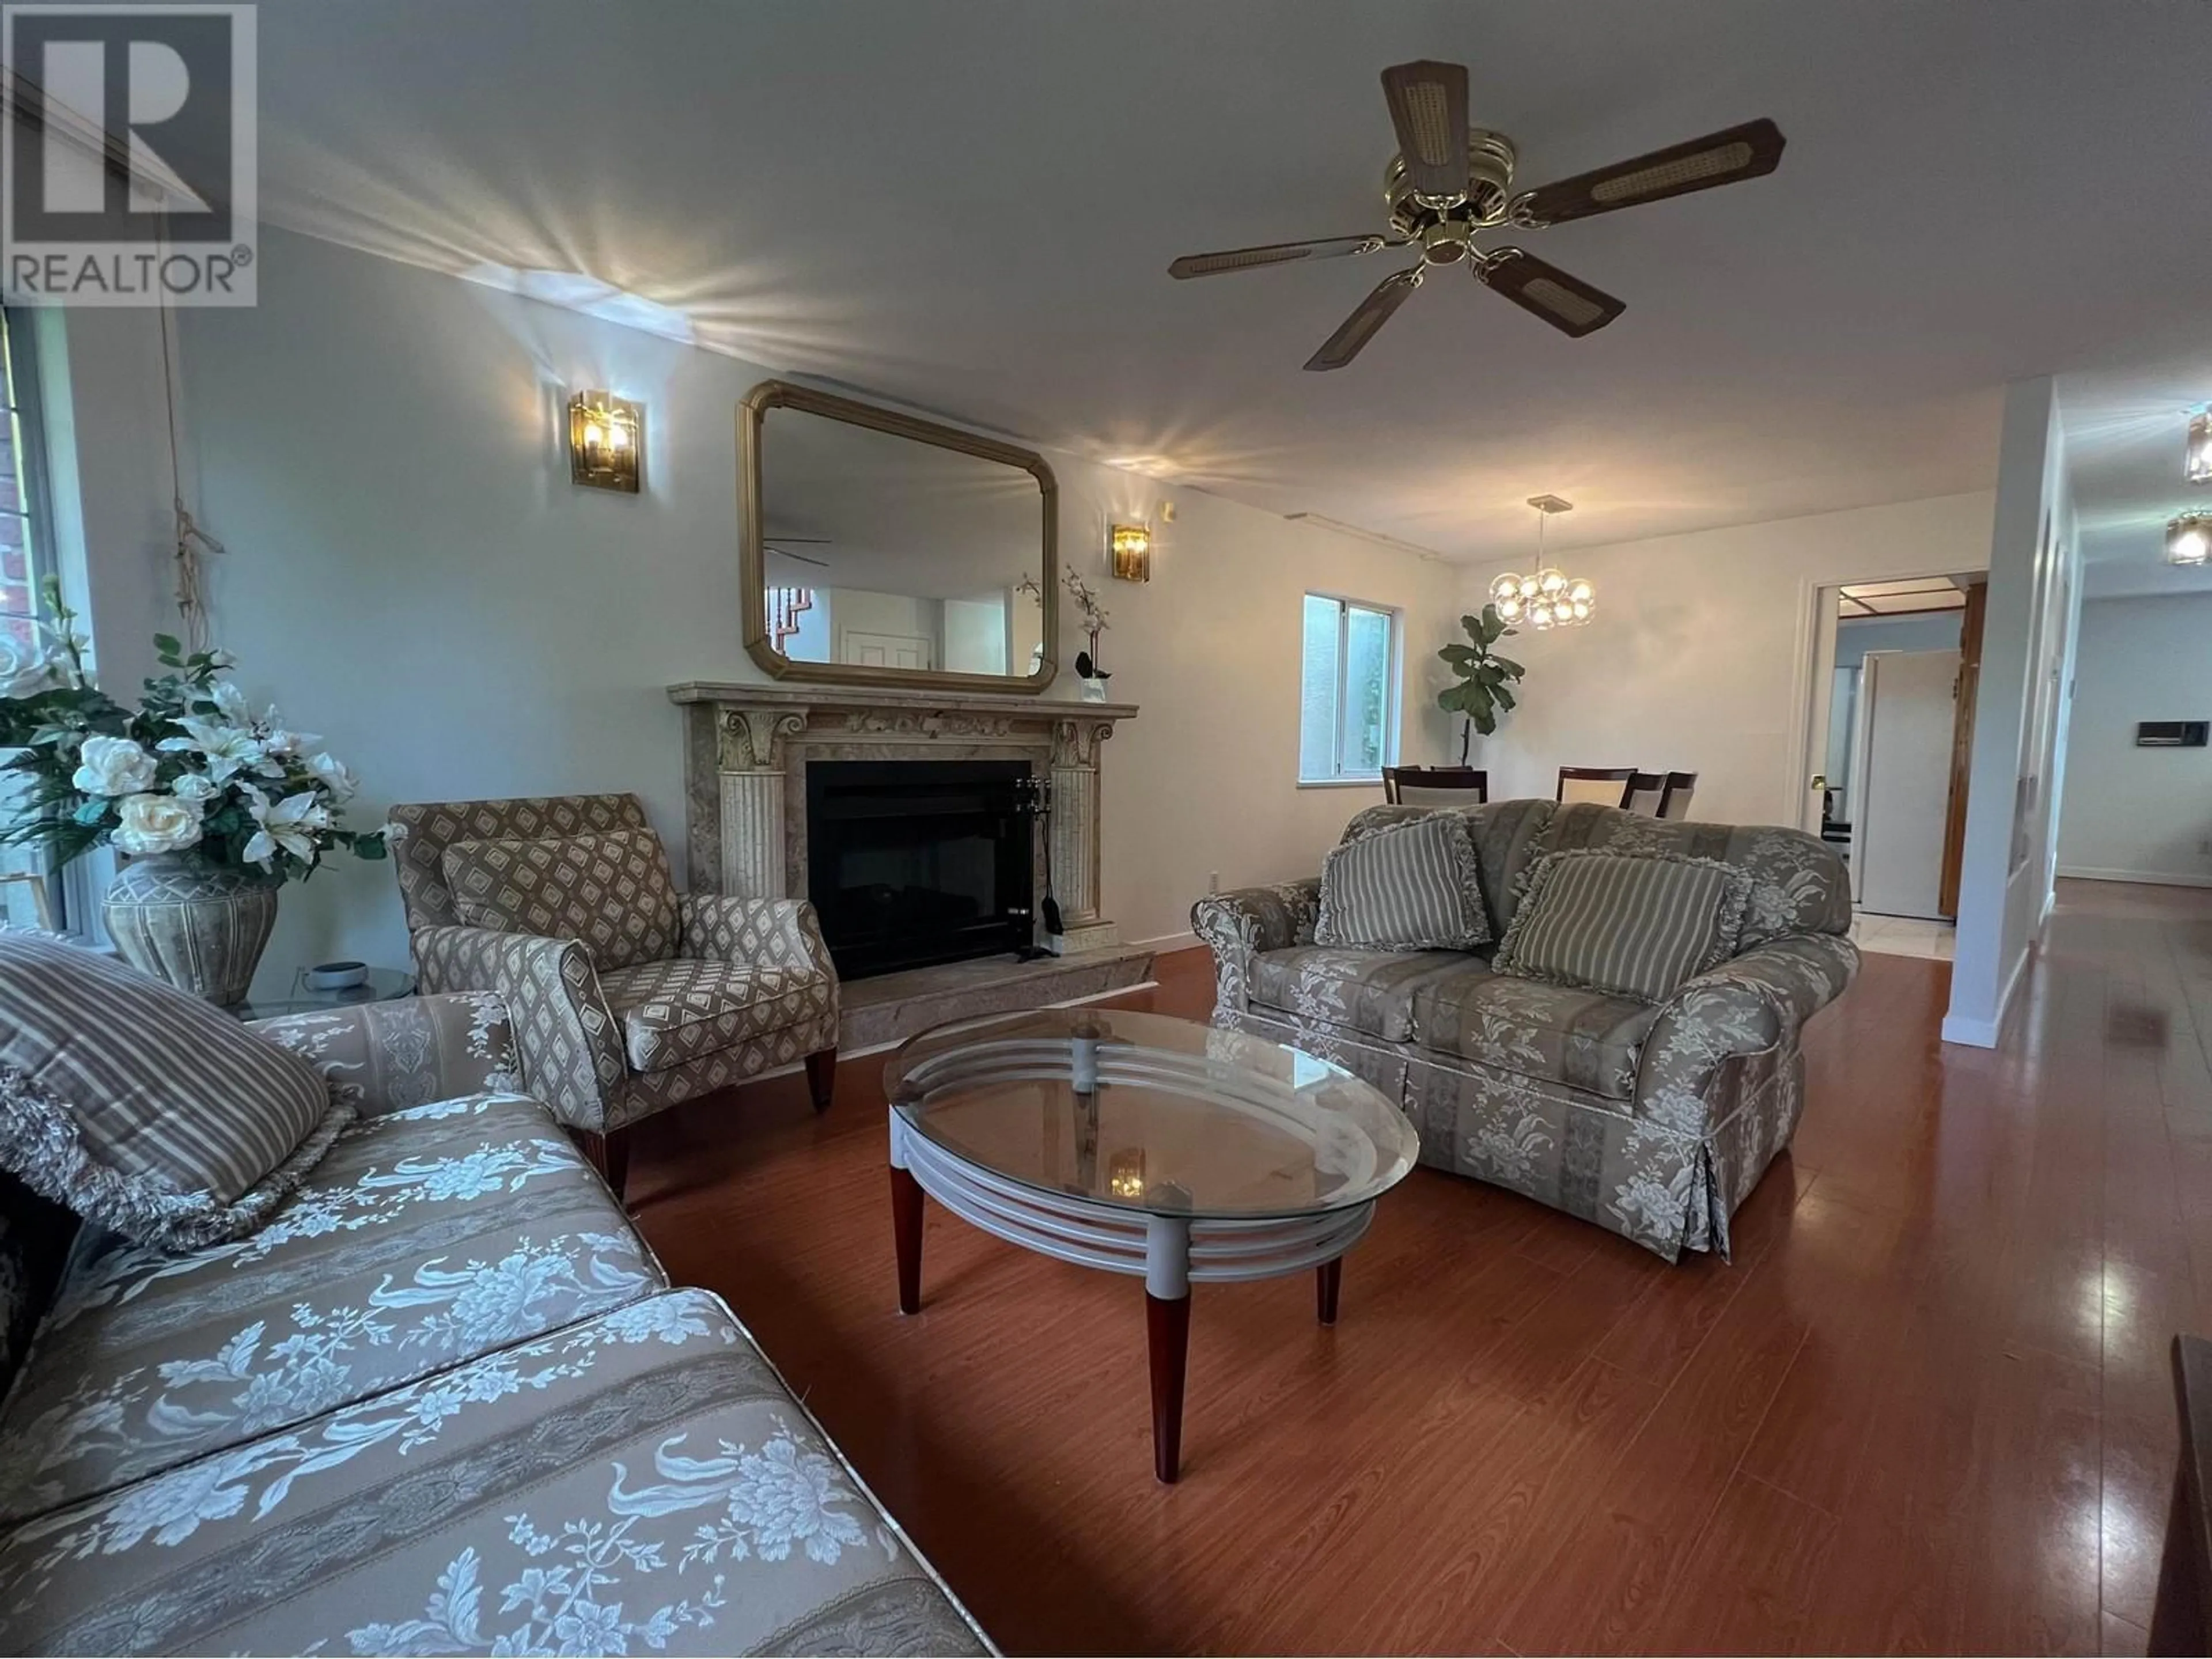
pixel 1698 659
pixel 2017 772
pixel 1856 636
pixel 411 573
pixel 2136 814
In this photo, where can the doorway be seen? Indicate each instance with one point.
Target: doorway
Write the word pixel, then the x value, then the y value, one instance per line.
pixel 1895 664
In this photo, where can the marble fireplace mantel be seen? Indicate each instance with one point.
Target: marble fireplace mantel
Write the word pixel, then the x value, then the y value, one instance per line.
pixel 746 746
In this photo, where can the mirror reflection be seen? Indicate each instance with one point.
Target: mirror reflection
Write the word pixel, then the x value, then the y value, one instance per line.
pixel 884 551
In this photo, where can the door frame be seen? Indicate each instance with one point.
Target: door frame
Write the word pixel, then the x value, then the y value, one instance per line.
pixel 1816 647
pixel 1971 628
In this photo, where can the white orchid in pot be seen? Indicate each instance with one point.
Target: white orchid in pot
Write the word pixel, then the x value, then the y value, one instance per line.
pixel 213 806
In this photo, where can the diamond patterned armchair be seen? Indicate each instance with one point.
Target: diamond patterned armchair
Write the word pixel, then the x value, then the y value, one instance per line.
pixel 626 996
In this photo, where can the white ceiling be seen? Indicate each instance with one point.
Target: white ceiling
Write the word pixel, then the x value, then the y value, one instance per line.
pixel 969 205
pixel 2126 433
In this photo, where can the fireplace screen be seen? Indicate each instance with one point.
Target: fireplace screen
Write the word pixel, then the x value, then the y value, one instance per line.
pixel 914 862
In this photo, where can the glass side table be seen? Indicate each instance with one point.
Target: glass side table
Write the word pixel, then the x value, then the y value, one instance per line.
pixel 384 985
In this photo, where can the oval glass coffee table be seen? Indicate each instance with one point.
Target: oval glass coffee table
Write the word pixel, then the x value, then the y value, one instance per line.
pixel 1145 1146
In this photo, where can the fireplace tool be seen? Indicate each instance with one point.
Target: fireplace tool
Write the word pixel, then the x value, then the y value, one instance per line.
pixel 1033 795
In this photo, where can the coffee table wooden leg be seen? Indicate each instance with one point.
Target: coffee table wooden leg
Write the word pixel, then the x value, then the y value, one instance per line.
pixel 906 1231
pixel 906 1224
pixel 1167 1334
pixel 1328 1278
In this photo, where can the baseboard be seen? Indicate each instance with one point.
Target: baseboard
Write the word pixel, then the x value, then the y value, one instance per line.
pixel 2147 878
pixel 1167 942
pixel 1970 1033
pixel 1984 1033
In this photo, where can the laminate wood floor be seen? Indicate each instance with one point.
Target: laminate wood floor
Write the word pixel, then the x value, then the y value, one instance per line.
pixel 1926 1409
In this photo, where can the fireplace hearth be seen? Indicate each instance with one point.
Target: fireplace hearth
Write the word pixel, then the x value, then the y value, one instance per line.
pixel 912 862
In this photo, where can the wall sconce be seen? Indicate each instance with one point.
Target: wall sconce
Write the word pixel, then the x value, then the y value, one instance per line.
pixel 1129 550
pixel 606 441
pixel 2197 467
pixel 2188 538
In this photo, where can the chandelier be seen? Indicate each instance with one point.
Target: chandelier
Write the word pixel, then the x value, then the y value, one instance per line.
pixel 2197 467
pixel 1547 597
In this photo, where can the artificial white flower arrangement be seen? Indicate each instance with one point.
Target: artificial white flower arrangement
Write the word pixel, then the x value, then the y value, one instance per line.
pixel 193 769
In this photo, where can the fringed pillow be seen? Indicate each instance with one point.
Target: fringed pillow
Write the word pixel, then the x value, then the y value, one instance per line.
pixel 1412 887
pixel 142 1108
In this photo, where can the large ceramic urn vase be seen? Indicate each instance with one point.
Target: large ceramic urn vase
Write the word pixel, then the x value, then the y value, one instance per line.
pixel 202 926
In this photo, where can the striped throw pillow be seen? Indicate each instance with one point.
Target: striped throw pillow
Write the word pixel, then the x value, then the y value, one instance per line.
pixel 142 1108
pixel 1633 925
pixel 1412 887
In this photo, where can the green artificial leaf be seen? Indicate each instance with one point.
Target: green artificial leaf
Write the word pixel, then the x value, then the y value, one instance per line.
pixel 1512 669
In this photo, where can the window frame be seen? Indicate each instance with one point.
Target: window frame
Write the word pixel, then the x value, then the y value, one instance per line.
pixel 1394 621
pixel 69 891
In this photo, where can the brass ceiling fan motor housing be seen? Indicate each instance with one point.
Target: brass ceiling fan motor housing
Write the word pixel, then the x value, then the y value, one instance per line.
pixel 1442 231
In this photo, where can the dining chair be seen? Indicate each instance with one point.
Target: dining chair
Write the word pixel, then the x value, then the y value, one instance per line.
pixel 1647 791
pixel 1675 800
pixel 1435 786
pixel 1605 785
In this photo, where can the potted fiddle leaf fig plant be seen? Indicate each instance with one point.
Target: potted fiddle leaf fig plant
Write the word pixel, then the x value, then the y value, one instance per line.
pixel 1487 680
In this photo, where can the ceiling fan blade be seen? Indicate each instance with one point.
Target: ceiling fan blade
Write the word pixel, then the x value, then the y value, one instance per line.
pixel 1276 254
pixel 1748 151
pixel 1428 107
pixel 1356 330
pixel 1567 303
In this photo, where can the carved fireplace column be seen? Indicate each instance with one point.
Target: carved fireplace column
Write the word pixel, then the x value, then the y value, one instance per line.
pixel 752 802
pixel 1075 827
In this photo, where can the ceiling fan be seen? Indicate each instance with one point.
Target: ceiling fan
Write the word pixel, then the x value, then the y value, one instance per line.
pixel 1450 181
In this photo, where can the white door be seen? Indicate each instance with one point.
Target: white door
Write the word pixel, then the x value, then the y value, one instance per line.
pixel 884 650
pixel 1902 778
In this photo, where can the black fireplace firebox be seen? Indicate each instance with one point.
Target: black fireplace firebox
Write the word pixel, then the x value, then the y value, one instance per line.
pixel 914 862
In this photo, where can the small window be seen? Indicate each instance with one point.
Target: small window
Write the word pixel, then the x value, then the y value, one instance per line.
pixel 30 895
pixel 1348 701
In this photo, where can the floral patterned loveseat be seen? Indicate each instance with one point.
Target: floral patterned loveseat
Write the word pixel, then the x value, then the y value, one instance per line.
pixel 1655 1122
pixel 444 1401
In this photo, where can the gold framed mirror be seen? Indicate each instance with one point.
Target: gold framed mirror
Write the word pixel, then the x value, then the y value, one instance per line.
pixel 877 547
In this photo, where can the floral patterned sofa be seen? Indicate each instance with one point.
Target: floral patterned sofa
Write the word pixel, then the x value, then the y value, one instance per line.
pixel 1655 1122
pixel 445 1401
